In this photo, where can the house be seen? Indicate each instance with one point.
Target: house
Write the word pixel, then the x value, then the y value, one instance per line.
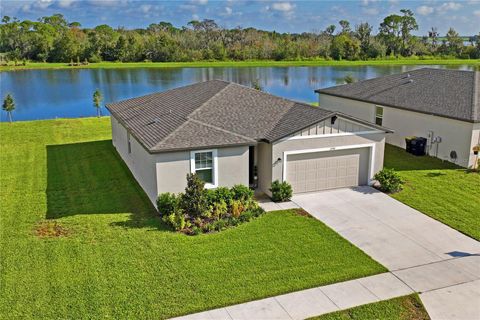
pixel 231 134
pixel 439 104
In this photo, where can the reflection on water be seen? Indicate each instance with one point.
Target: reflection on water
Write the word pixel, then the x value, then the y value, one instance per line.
pixel 46 94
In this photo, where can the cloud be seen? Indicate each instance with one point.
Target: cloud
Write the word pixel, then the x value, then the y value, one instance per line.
pixel 199 2
pixel 367 2
pixel 228 10
pixel 447 6
pixel 371 11
pixel 283 6
pixel 65 3
pixel 145 8
pixel 425 10
pixel 477 13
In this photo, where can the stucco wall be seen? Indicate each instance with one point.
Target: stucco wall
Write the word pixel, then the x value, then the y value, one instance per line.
pixel 456 135
pixel 278 148
pixel 166 172
pixel 172 168
pixel 139 161
pixel 264 166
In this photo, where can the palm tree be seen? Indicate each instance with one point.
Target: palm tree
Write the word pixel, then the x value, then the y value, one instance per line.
pixel 8 105
pixel 97 100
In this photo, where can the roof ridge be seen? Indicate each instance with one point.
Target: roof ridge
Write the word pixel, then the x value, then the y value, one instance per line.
pixel 203 104
pixel 223 130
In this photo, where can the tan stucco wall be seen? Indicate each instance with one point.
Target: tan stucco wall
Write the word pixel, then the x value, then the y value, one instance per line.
pixel 166 172
pixel 278 148
pixel 456 135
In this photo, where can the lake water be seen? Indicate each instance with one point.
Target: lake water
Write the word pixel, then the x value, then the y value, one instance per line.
pixel 49 94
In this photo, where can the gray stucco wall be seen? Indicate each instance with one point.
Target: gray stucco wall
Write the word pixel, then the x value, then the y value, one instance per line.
pixel 269 169
pixel 456 135
pixel 172 168
pixel 278 148
pixel 166 172
pixel 264 166
pixel 139 161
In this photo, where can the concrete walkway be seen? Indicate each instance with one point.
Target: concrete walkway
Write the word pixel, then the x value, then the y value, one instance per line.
pixel 422 254
pixel 312 302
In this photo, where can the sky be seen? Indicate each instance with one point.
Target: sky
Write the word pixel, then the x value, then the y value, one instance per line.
pixel 282 16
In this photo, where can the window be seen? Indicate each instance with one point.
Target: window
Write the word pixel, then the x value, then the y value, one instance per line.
pixel 204 164
pixel 129 146
pixel 378 115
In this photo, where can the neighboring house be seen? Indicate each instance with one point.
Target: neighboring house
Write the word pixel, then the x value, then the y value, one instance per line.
pixel 440 105
pixel 230 134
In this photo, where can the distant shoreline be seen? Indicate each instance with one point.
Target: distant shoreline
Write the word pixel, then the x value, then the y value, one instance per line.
pixel 255 63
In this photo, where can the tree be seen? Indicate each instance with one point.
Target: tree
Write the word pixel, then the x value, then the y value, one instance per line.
pixel 97 100
pixel 408 24
pixel 194 201
pixel 330 30
pixel 454 42
pixel 8 106
pixel 433 36
pixel 345 26
pixel 389 32
pixel 363 34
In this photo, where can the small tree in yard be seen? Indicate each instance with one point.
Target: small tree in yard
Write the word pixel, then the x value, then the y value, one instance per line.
pixel 8 106
pixel 195 198
pixel 389 180
pixel 97 100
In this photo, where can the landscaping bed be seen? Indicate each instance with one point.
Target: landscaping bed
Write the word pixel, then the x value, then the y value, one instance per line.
pixel 440 189
pixel 107 253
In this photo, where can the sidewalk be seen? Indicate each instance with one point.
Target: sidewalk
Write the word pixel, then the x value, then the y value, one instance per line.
pixel 312 302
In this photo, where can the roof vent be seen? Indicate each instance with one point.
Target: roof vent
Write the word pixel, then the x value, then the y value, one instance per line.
pixel 156 120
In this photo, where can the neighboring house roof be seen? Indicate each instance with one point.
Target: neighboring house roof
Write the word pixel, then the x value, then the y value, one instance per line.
pixel 446 93
pixel 212 114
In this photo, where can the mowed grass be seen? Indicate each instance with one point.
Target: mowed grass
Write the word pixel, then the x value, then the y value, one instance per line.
pixel 115 259
pixel 402 308
pixel 249 63
pixel 439 189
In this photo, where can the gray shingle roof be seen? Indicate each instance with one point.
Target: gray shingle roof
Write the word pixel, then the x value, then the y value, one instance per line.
pixel 442 92
pixel 212 113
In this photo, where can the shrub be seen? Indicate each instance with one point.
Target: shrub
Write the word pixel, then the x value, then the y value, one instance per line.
pixel 219 194
pixel 176 219
pixel 237 208
pixel 389 180
pixel 167 203
pixel 242 193
pixel 219 209
pixel 194 201
pixel 281 191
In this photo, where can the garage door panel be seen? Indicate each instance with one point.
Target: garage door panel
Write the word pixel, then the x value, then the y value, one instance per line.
pixel 319 171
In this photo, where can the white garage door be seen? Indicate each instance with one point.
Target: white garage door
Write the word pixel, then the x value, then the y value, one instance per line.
pixel 315 172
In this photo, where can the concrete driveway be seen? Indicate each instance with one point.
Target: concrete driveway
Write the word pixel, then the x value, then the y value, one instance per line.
pixel 430 257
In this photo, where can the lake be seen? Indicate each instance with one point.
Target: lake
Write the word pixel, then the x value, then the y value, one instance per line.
pixel 67 93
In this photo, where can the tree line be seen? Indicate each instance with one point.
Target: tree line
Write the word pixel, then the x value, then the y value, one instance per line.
pixel 54 39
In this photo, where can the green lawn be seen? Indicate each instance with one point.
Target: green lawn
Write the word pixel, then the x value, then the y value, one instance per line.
pixel 403 308
pixel 117 260
pixel 439 189
pixel 254 63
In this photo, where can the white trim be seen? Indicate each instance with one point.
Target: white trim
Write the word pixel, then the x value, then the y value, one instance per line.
pixel 371 160
pixel 359 133
pixel 215 166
